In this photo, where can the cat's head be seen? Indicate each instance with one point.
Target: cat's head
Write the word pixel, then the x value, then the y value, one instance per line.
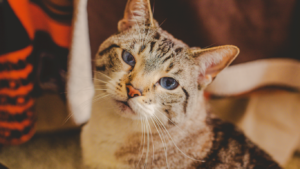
pixel 145 72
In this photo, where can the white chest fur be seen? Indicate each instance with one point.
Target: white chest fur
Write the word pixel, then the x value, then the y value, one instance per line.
pixel 107 132
pixel 102 136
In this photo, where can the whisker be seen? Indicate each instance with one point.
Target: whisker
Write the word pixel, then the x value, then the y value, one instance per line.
pixel 103 74
pixel 99 84
pixel 153 8
pixel 87 90
pixel 143 142
pixel 100 80
pixel 146 128
pixel 84 89
pixel 94 100
pixel 105 82
pixel 152 143
pixel 142 127
pixel 163 22
pixel 175 125
pixel 167 117
pixel 148 142
pixel 162 140
pixel 67 119
pixel 101 89
pixel 213 44
pixel 173 140
pixel 98 98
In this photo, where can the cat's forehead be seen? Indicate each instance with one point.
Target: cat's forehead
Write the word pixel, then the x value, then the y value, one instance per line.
pixel 147 34
pixel 138 35
pixel 154 46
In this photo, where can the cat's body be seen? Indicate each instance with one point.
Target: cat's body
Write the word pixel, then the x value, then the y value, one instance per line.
pixel 119 142
pixel 149 110
pixel 232 149
pixel 115 143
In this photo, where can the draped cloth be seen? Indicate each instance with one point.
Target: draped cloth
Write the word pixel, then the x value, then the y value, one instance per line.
pixel 35 37
pixel 44 48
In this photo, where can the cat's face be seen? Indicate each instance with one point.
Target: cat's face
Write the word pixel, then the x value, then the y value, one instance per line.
pixel 150 71
pixel 148 74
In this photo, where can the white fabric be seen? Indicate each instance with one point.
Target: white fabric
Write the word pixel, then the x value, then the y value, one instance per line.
pixel 246 77
pixel 272 121
pixel 79 84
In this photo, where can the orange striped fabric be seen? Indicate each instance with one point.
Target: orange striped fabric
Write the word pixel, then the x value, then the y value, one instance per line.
pixel 29 30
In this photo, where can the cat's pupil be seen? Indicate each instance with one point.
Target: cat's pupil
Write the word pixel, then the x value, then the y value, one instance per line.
pixel 168 83
pixel 128 58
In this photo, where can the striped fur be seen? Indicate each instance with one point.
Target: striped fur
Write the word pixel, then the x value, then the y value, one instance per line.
pixel 161 128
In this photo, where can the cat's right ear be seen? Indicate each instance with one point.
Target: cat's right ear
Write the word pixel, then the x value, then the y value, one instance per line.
pixel 136 12
pixel 212 61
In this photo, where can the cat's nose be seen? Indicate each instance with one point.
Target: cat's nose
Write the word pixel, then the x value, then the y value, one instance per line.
pixel 132 92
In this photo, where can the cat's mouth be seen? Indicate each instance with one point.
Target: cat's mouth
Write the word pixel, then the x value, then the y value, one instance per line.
pixel 124 106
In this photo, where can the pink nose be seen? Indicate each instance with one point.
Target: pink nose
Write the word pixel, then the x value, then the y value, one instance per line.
pixel 132 92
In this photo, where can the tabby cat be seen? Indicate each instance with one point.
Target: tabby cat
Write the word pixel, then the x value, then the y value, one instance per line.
pixel 149 110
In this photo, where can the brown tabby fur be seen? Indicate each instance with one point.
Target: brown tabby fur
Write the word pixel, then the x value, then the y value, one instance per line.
pixel 160 128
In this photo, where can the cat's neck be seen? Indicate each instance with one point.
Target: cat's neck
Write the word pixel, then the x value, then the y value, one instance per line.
pixel 119 142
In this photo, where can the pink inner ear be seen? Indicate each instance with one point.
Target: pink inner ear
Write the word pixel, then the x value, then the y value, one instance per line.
pixel 136 12
pixel 214 60
pixel 201 77
pixel 212 69
pixel 215 68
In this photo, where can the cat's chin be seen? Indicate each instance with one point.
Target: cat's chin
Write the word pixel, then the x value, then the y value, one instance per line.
pixel 125 110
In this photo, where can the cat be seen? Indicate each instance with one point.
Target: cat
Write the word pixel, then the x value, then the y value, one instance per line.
pixel 149 110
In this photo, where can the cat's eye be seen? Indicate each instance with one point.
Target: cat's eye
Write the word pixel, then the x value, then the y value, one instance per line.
pixel 168 83
pixel 128 58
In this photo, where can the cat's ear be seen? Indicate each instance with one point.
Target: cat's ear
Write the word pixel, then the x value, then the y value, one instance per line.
pixel 136 12
pixel 212 61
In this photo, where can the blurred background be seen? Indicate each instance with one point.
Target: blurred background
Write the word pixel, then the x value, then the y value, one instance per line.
pixel 259 92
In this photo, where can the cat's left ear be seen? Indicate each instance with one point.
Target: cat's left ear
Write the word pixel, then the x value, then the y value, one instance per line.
pixel 212 61
pixel 136 12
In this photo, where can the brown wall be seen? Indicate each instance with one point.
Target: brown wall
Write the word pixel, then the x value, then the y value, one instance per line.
pixel 261 29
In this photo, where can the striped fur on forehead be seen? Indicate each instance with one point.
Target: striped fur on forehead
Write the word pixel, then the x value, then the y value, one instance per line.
pixel 140 36
pixel 156 47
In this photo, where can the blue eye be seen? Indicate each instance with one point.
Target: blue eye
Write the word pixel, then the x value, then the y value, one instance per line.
pixel 128 58
pixel 168 83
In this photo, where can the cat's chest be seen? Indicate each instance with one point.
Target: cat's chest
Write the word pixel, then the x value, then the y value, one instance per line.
pixel 165 151
pixel 100 144
pixel 118 146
